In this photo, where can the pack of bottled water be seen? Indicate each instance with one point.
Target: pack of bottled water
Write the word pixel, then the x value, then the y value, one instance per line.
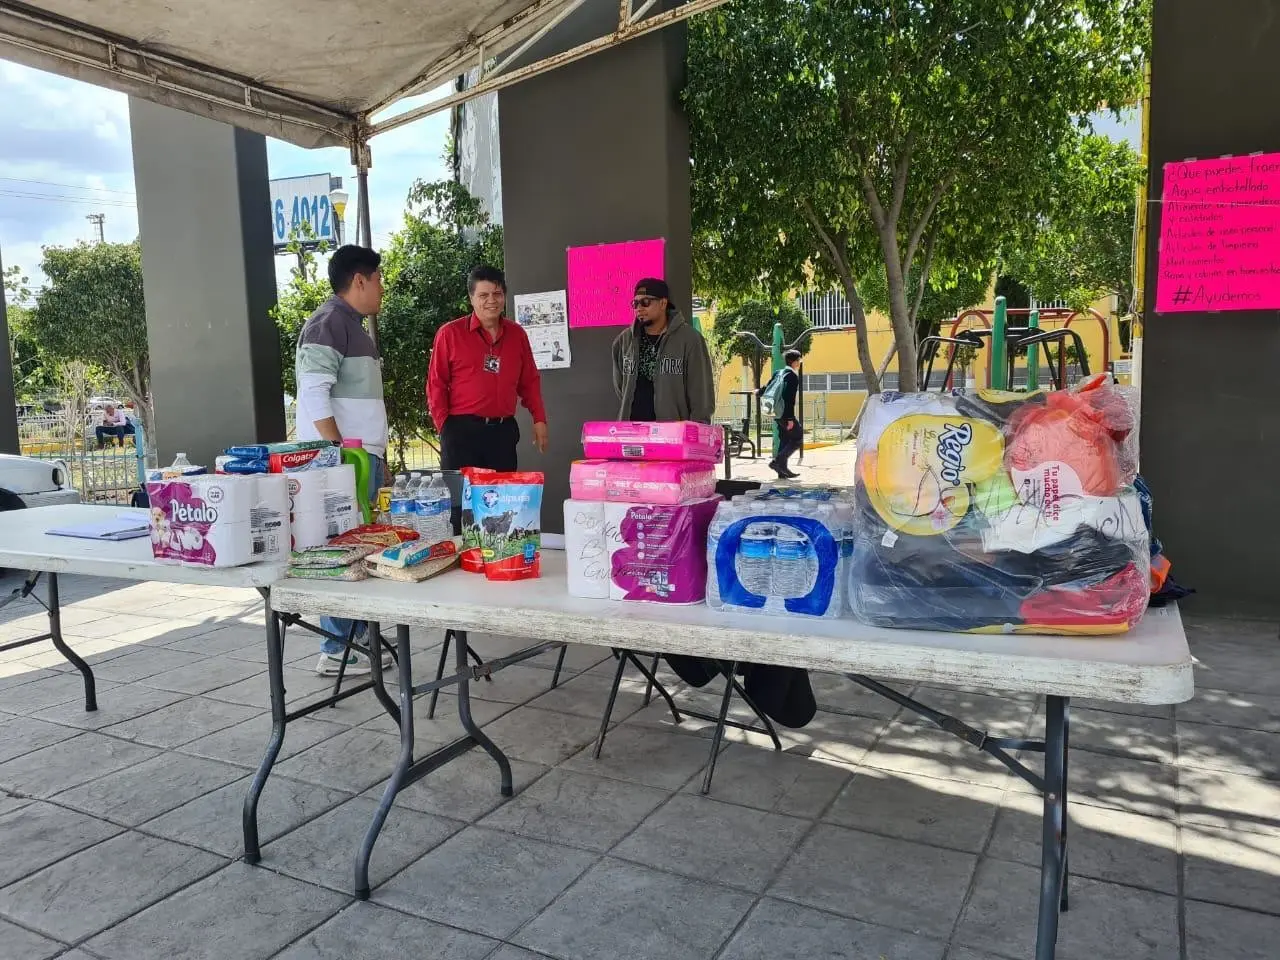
pixel 783 551
pixel 423 503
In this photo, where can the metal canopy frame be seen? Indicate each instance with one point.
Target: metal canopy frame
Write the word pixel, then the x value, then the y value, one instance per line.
pixel 37 38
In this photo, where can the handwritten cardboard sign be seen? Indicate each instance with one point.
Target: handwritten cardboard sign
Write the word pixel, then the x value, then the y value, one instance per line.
pixel 1220 235
pixel 602 279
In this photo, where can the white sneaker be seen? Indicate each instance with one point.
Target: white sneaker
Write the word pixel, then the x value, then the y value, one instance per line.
pixel 357 664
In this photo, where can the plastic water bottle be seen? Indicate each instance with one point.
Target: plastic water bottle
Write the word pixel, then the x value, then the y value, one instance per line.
pixel 434 505
pixel 795 563
pixel 725 515
pixel 755 558
pixel 180 462
pixel 402 512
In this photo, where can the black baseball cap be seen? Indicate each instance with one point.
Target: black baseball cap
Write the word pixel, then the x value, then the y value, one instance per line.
pixel 652 287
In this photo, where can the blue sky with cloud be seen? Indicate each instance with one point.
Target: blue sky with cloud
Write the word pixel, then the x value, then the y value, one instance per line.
pixel 66 153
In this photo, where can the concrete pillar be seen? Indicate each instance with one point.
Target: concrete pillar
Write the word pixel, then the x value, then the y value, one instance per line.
pixel 209 278
pixel 594 152
pixel 1210 412
pixel 8 410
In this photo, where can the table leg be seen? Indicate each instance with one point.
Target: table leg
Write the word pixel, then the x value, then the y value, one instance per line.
pixel 718 737
pixel 444 660
pixel 555 677
pixel 55 634
pixel 405 667
pixel 613 697
pixel 379 681
pixel 279 720
pixel 1066 756
pixel 1053 864
pixel 461 654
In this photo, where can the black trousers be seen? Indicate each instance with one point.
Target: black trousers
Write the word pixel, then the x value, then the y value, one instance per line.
pixel 470 441
pixel 789 441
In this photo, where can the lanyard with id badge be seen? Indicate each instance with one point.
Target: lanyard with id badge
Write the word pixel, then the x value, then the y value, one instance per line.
pixel 492 363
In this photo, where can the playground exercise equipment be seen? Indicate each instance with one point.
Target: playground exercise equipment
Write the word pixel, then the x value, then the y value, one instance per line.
pixel 1007 343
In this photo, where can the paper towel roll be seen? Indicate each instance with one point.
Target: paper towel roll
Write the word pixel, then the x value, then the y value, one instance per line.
pixel 306 491
pixel 310 528
pixel 586 549
pixel 341 480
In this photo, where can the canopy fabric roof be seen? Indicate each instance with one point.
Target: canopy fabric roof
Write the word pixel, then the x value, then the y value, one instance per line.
pixel 306 71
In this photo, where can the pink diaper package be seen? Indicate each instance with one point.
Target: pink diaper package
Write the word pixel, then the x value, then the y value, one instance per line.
pixel 642 481
pixel 659 553
pixel 632 440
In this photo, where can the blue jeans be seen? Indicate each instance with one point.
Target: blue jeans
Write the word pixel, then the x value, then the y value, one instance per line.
pixel 337 625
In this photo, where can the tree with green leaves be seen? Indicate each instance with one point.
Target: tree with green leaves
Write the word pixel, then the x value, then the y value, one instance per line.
pixel 33 378
pixel 445 233
pixel 306 290
pixel 1082 248
pixel 840 136
pixel 755 318
pixel 92 311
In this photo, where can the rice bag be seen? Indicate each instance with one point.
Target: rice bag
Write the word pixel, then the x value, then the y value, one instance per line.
pixel 352 572
pixel 414 574
pixel 329 557
pixel 414 552
pixel 507 513
pixel 471 559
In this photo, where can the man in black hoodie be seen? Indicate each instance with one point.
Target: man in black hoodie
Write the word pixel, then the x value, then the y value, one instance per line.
pixel 661 367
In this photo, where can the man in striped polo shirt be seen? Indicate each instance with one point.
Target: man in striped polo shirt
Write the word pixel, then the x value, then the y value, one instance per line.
pixel 340 394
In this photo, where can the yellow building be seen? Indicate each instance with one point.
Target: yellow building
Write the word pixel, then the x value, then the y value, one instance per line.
pixel 835 387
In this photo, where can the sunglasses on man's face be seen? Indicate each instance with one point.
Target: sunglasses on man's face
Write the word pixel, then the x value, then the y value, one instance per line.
pixel 643 303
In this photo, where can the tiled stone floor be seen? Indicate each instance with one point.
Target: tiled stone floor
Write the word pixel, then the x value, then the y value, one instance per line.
pixel 873 836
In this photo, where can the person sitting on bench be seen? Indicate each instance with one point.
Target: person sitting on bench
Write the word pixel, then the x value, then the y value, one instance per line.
pixel 114 424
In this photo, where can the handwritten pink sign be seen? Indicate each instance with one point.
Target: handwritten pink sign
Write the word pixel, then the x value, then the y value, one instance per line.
pixel 602 279
pixel 1220 235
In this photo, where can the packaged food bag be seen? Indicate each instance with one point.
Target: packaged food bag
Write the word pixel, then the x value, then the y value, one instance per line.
pixel 507 517
pixel 471 558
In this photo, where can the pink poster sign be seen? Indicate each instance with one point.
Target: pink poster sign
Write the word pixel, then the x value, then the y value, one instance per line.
pixel 602 279
pixel 1220 235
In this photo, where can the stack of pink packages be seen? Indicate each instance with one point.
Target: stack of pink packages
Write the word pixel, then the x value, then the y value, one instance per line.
pixel 636 526
pixel 658 463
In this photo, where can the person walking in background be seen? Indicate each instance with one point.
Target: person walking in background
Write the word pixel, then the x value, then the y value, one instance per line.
pixel 790 429
pixel 339 374
pixel 481 365
pixel 661 366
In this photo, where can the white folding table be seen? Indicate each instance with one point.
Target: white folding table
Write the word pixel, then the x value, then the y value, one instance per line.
pixel 25 545
pixel 1149 665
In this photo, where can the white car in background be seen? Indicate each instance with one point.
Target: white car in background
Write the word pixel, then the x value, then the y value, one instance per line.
pixel 36 483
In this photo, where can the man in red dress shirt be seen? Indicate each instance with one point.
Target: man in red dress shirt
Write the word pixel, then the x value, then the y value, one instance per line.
pixel 480 365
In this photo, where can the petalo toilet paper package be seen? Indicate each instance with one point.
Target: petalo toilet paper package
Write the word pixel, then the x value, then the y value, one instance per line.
pixel 588 543
pixel 203 520
pixel 658 552
pixel 630 440
pixel 637 481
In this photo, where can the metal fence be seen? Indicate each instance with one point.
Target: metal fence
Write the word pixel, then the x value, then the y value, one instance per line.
pixel 826 311
pixel 103 474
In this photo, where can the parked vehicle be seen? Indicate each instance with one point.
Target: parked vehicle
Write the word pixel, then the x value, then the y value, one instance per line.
pixel 36 483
